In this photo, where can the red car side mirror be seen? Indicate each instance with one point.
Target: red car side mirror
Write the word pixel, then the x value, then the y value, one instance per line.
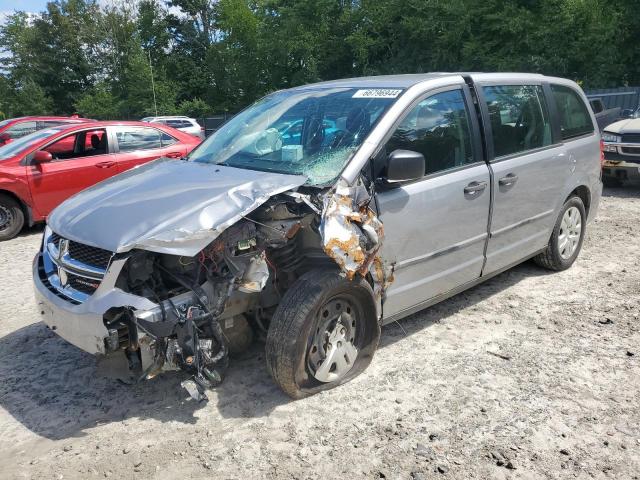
pixel 4 138
pixel 42 156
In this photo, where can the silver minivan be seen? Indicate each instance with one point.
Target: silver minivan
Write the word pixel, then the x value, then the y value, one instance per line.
pixel 317 215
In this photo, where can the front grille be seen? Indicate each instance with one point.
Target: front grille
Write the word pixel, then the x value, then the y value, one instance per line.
pixel 96 257
pixel 93 256
pixel 631 150
pixel 72 269
pixel 631 138
pixel 44 278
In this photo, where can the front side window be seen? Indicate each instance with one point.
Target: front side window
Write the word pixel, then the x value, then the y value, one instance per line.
pixel 439 128
pixel 130 139
pixel 574 116
pixel 21 129
pixel 311 131
pixel 519 118
pixel 80 144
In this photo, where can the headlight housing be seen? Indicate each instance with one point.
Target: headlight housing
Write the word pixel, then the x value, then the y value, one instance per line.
pixel 610 137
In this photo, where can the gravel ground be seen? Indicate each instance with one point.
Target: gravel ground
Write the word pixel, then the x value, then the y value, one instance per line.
pixel 530 375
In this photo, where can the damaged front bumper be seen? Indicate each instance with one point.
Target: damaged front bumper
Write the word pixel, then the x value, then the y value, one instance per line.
pixel 82 323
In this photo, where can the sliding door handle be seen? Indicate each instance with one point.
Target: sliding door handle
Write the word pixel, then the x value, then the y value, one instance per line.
pixel 508 180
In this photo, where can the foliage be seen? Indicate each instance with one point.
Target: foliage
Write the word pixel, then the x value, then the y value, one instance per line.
pixel 208 56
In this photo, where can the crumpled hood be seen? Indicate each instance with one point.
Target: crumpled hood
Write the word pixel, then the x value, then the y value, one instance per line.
pixel 167 206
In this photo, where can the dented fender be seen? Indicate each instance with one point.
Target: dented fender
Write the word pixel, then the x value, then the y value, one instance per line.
pixel 352 235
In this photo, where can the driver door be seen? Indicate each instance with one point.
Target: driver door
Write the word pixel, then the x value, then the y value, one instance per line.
pixel 80 159
pixel 436 226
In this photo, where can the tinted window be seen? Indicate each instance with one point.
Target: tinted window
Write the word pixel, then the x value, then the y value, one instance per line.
pixel 173 123
pixel 519 118
pixel 574 116
pixel 81 144
pixel 438 127
pixel 138 139
pixel 21 129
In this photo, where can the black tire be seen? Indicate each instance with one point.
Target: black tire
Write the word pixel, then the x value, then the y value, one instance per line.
pixel 294 323
pixel 11 218
pixel 551 258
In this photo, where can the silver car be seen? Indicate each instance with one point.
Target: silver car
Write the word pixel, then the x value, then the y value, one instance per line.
pixel 184 124
pixel 396 193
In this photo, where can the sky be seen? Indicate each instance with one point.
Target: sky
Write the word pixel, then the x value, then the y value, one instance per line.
pixel 7 7
pixel 26 5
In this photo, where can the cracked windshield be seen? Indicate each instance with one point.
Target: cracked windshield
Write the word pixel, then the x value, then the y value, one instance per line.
pixel 311 132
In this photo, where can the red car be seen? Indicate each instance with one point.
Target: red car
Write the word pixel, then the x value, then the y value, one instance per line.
pixel 14 128
pixel 41 170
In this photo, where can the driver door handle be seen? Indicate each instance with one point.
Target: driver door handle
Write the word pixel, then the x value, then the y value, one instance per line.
pixel 474 188
pixel 508 180
pixel 107 164
pixel 174 155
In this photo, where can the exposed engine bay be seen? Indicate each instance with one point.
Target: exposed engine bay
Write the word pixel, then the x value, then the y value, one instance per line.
pixel 212 304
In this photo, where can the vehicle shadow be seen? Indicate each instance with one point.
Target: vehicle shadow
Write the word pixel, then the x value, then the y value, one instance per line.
pixel 27 231
pixel 629 190
pixel 54 390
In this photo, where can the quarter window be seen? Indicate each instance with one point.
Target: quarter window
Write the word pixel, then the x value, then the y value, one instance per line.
pixel 438 127
pixel 519 118
pixel 138 139
pixel 574 116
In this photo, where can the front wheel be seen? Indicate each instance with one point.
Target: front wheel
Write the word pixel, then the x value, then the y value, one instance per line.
pixel 323 333
pixel 11 218
pixel 567 236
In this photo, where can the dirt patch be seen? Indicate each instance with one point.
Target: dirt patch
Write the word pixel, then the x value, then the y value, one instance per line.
pixel 530 375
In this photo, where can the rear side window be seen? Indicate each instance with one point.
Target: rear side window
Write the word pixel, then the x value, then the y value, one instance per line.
pixel 574 115
pixel 167 139
pixel 173 123
pixel 138 139
pixel 438 127
pixel 519 118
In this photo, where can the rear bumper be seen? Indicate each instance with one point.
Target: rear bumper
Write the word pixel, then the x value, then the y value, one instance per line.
pixel 82 324
pixel 622 169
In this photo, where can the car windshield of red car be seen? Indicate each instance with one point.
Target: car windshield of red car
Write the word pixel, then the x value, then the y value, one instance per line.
pixel 17 146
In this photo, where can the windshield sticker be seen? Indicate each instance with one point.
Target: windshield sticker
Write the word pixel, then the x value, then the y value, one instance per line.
pixel 377 93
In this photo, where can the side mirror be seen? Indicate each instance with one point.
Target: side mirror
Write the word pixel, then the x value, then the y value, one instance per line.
pixel 42 156
pixel 4 138
pixel 626 113
pixel 404 165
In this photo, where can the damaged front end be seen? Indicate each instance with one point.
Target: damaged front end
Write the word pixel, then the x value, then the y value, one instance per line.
pixel 167 311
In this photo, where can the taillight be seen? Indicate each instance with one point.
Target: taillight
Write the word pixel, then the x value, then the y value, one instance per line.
pixel 601 152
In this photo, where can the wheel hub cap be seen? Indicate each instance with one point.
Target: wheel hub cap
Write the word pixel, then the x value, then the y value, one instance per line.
pixel 333 353
pixel 5 217
pixel 570 231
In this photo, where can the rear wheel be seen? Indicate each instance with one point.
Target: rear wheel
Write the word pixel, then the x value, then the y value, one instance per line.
pixel 567 236
pixel 323 333
pixel 11 218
